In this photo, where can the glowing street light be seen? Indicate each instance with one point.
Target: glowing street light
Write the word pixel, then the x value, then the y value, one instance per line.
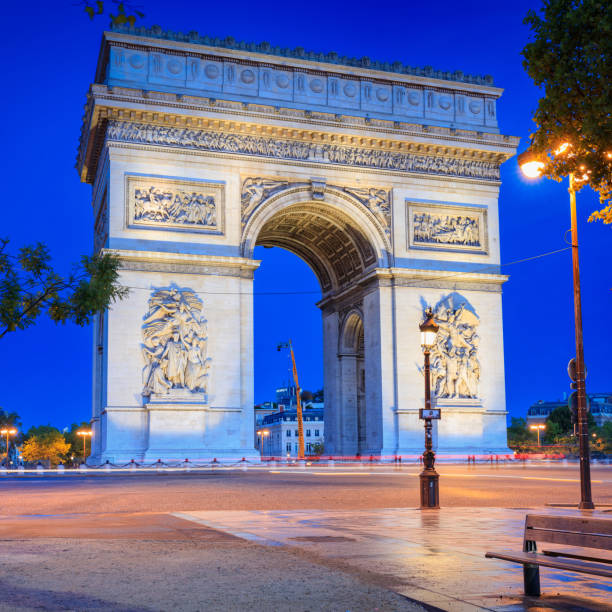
pixel 85 433
pixel 531 165
pixel 429 478
pixel 262 433
pixel 8 431
pixel 537 428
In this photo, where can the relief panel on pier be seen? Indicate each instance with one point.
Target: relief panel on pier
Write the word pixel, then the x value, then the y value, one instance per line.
pixel 448 228
pixel 162 203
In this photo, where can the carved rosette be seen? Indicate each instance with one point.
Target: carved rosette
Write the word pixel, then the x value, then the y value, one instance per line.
pixel 455 368
pixel 174 344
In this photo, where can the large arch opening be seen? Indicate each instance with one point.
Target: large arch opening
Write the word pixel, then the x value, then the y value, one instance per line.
pixel 352 408
pixel 327 240
pixel 339 251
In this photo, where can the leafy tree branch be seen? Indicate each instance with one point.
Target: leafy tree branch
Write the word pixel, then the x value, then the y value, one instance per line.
pixel 29 286
pixel 126 12
pixel 570 58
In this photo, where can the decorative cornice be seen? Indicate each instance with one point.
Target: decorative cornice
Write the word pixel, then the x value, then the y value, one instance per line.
pixel 184 263
pixel 265 48
pixel 106 103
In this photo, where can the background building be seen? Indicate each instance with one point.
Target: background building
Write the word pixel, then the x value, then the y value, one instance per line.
pixel 261 411
pixel 600 405
pixel 283 427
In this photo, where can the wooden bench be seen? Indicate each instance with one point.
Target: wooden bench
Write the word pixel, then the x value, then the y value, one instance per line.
pixel 592 533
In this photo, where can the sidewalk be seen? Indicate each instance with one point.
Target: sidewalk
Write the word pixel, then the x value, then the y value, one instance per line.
pixel 435 557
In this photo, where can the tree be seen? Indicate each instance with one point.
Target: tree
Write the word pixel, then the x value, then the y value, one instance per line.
pixel 318 448
pixel 306 397
pixel 519 437
pixel 29 286
pixel 559 425
pixel 560 421
pixel 318 396
pixel 570 57
pixel 553 432
pixel 9 419
pixel 45 443
pixel 126 13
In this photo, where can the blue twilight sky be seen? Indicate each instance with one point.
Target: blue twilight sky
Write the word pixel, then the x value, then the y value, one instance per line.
pixel 50 52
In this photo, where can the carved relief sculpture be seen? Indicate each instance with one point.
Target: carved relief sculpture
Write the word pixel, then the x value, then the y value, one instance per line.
pixel 190 138
pixel 376 200
pixel 446 229
pixel 174 343
pixel 455 369
pixel 452 227
pixel 158 202
pixel 255 190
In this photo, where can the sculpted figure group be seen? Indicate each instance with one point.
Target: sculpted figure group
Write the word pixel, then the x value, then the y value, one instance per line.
pixel 455 369
pixel 446 229
pixel 174 343
pixel 174 206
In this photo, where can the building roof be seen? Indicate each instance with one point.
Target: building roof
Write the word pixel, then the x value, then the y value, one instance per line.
pixel 332 57
pixel 292 415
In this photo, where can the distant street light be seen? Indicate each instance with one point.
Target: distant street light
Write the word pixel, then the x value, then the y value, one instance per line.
pixel 531 165
pixel 85 433
pixel 262 433
pixel 430 497
pixel 537 428
pixel 8 432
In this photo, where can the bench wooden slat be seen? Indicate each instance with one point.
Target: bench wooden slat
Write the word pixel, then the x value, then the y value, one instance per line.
pixel 580 524
pixel 571 565
pixel 566 538
pixel 561 553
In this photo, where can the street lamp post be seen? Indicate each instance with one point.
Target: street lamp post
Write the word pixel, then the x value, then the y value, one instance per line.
pixel 262 433
pixel 429 478
pixel 538 428
pixel 531 166
pixel 8 431
pixel 85 433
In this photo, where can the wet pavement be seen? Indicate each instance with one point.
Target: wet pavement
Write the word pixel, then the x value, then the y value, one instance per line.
pixel 434 556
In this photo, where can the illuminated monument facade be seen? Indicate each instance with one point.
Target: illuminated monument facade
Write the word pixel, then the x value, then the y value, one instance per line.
pixel 383 178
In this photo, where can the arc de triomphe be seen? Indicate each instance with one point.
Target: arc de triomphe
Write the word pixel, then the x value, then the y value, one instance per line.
pixel 382 177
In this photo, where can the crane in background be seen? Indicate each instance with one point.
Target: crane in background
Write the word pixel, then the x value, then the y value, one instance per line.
pixel 298 393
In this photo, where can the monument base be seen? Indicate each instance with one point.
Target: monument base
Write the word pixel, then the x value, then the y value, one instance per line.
pixel 180 430
pixel 465 428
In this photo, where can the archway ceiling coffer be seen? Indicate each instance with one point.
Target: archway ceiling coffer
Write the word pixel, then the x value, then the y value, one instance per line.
pixel 337 251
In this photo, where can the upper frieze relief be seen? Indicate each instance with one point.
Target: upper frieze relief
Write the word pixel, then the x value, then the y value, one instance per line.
pixel 295 86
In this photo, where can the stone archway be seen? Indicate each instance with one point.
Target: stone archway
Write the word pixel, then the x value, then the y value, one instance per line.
pixel 338 237
pixel 332 229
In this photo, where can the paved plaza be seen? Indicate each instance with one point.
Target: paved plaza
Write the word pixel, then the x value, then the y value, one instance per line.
pixel 344 538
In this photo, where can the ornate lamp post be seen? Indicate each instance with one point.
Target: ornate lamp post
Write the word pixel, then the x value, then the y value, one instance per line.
pixel 85 433
pixel 531 166
pixel 430 497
